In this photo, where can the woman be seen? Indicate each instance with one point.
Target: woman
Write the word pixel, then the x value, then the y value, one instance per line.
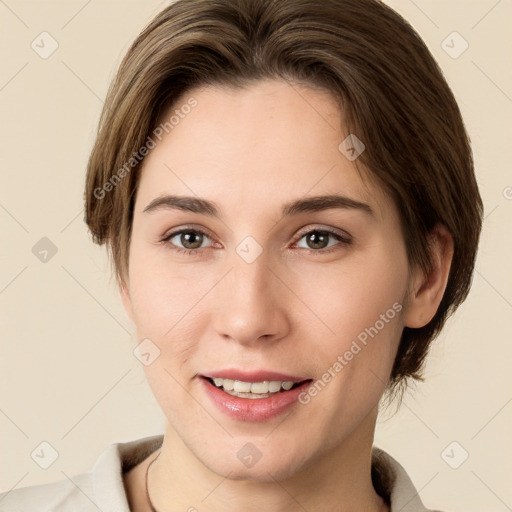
pixel 288 195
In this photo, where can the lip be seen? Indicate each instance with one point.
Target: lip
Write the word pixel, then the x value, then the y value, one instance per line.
pixel 255 410
pixel 253 376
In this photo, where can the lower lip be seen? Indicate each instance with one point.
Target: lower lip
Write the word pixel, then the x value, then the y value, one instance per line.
pixel 253 409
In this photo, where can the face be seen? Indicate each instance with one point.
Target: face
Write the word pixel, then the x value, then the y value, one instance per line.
pixel 256 278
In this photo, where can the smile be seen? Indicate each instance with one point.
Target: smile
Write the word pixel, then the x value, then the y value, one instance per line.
pixel 253 397
pixel 253 390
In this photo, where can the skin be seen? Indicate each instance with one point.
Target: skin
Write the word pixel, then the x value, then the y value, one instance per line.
pixel 292 310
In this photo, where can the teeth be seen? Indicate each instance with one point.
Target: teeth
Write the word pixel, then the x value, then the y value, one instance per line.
pixel 242 387
pixel 259 387
pixel 274 386
pixel 265 387
pixel 228 384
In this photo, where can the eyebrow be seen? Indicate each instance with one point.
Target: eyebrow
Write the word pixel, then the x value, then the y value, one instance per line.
pixel 308 204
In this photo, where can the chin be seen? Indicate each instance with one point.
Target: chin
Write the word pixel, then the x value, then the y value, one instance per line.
pixel 249 463
pixel 262 471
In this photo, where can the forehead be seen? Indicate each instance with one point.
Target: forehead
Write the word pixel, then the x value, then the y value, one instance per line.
pixel 268 140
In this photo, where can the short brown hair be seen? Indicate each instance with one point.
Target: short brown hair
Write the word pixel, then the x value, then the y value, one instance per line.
pixel 393 95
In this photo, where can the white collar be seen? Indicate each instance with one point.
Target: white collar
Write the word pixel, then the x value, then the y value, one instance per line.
pixel 120 457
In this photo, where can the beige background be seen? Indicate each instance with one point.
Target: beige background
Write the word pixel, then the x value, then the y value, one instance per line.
pixel 68 375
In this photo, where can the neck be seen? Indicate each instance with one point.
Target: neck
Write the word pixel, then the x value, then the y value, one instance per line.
pixel 337 480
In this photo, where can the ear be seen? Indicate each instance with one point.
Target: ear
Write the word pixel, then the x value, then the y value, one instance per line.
pixel 124 291
pixel 426 292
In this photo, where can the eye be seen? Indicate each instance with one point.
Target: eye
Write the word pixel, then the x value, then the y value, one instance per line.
pixel 187 240
pixel 318 240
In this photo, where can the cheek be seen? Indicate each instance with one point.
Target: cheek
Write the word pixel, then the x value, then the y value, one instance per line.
pixel 354 294
pixel 162 294
pixel 163 312
pixel 359 305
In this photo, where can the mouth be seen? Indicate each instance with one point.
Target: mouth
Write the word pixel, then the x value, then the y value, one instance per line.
pixel 254 390
pixel 253 396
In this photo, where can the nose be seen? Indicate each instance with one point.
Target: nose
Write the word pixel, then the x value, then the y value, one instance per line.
pixel 251 303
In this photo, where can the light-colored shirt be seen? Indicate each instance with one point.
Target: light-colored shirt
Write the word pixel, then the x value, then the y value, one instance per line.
pixel 102 488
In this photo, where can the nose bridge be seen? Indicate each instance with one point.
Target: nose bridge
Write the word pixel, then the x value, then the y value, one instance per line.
pixel 249 300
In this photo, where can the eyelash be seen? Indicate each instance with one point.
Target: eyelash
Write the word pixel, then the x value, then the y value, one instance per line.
pixel 345 241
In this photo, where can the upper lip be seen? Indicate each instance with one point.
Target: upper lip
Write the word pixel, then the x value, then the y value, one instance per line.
pixel 254 375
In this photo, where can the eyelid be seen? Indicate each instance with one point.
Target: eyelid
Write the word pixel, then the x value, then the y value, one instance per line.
pixel 174 232
pixel 329 229
pixel 343 240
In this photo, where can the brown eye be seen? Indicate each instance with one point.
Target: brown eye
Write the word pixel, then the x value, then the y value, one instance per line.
pixel 317 239
pixel 187 240
pixel 191 239
pixel 321 241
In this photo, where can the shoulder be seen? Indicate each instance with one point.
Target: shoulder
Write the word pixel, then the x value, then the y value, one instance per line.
pixel 393 483
pixel 100 488
pixel 56 496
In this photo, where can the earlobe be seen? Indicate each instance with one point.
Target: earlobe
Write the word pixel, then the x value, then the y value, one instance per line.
pixel 427 291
